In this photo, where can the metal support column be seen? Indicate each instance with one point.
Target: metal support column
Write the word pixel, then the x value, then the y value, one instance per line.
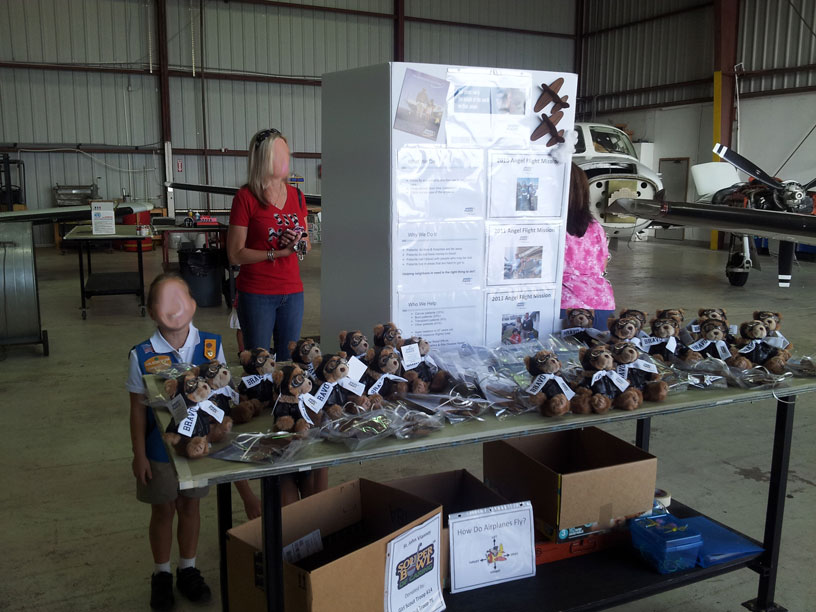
pixel 643 433
pixel 272 542
pixel 769 562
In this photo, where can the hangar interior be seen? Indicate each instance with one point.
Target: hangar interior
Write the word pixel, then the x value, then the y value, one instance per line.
pixel 126 95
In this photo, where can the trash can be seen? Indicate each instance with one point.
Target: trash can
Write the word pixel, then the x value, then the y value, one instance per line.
pixel 203 271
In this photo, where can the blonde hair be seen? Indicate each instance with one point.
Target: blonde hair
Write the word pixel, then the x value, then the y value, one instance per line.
pixel 261 158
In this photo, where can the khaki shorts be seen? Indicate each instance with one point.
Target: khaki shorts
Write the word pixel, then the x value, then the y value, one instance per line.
pixel 163 487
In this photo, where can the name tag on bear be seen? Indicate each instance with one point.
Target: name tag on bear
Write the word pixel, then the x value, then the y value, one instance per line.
pixel 302 404
pixel 541 380
pixel 720 345
pixel 779 341
pixel 229 392
pixel 410 356
pixel 356 368
pixel 375 388
pixel 357 388
pixel 620 382
pixel 178 408
pixel 187 426
pixel 211 409
pixel 671 342
pixel 253 380
pixel 318 400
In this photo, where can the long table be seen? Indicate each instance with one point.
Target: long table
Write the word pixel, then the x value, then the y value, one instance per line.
pixel 630 579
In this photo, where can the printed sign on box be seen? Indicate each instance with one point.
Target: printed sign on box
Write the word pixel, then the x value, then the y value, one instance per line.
pixel 412 578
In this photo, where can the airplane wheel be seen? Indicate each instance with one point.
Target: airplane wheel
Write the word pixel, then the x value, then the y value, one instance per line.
pixel 738 279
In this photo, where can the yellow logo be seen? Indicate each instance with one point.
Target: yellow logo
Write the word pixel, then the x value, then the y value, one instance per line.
pixel 209 348
pixel 157 363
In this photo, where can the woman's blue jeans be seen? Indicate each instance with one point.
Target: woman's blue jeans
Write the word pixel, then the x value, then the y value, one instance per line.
pixel 270 321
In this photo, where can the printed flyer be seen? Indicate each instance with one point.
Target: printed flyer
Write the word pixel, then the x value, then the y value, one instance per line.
pixel 519 316
pixel 444 319
pixel 412 576
pixel 525 185
pixel 522 254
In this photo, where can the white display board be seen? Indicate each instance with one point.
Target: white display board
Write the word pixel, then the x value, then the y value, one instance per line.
pixel 441 189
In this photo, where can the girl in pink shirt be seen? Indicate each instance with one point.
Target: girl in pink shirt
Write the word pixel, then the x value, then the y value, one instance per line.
pixel 585 256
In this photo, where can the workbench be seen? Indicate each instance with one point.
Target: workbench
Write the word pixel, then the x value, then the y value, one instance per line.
pixel 108 283
pixel 617 575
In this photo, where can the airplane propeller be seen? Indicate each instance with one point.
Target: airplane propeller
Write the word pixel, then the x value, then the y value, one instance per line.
pixel 747 166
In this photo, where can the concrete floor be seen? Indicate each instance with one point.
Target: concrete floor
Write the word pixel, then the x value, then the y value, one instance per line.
pixel 74 537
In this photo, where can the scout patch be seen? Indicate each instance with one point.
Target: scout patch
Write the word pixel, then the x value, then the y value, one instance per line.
pixel 209 348
pixel 157 364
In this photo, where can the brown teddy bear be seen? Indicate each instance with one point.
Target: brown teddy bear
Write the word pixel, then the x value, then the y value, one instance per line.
pixel 290 410
pixel 678 314
pixel 640 373
pixel 773 322
pixel 257 389
pixel 387 335
pixel 382 375
pixel 713 342
pixel 664 342
pixel 192 434
pixel 626 328
pixel 303 353
pixel 753 346
pixel 223 393
pixel 640 316
pixel 600 384
pixel 692 330
pixel 550 391
pixel 354 343
pixel 336 393
pixel 578 325
pixel 426 370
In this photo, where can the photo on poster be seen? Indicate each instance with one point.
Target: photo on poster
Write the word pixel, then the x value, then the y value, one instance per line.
pixel 487 107
pixel 435 182
pixel 519 316
pixel 522 254
pixel 525 184
pixel 421 104
pixel 445 319
pixel 439 256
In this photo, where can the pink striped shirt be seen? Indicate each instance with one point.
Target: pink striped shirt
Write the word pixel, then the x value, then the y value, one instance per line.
pixel 584 285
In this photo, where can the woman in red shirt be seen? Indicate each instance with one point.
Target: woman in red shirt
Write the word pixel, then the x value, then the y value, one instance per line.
pixel 267 221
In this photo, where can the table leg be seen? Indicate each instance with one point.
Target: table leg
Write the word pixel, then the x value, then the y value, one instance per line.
pixel 81 278
pixel 141 277
pixel 769 562
pixel 224 525
pixel 643 433
pixel 88 245
pixel 272 542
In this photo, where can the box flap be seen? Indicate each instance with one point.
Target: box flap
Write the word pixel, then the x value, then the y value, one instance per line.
pixel 330 511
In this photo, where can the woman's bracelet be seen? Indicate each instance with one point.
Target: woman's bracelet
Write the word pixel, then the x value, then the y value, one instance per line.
pixel 270 255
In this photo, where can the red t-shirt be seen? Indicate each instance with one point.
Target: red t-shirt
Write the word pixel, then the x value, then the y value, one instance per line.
pixel 264 226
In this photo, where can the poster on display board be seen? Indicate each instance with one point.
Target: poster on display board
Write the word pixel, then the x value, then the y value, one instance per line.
pixel 519 316
pixel 439 183
pixel 441 256
pixel 522 254
pixel 421 106
pixel 412 574
pixel 443 318
pixel 525 184
pixel 489 107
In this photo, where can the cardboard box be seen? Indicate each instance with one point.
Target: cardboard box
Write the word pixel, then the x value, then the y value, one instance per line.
pixel 356 521
pixel 582 478
pixel 455 491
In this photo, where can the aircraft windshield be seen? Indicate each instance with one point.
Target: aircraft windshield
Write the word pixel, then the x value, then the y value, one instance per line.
pixel 611 140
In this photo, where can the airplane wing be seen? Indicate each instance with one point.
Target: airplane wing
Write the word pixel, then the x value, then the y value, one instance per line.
pixel 70 213
pixel 792 227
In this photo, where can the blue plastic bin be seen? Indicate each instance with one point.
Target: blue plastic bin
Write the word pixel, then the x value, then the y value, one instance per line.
pixel 666 542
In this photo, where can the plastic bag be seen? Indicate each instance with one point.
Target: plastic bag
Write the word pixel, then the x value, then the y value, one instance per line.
pixel 506 395
pixel 460 405
pixel 720 544
pixel 362 430
pixel 415 423
pixel 262 447
pixel 802 366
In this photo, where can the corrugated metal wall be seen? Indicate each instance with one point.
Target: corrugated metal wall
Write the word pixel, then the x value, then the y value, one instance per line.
pixel 673 49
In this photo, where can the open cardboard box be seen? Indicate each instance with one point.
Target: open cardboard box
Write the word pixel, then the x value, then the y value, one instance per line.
pixel 581 478
pixel 456 491
pixel 356 520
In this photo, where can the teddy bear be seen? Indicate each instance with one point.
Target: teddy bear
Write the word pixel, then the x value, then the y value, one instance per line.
pixel 753 345
pixel 290 410
pixel 638 315
pixel 382 374
pixel 303 353
pixel 714 342
pixel 550 391
pixel 387 334
pixel 600 383
pixel 692 330
pixel 624 328
pixel 773 322
pixel 426 370
pixel 223 393
pixel 336 393
pixel 191 436
pixel 578 325
pixel 354 343
pixel 664 342
pixel 257 389
pixel 640 373
pixel 678 314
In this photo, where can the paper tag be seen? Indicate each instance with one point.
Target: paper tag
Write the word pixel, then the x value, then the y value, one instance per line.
pixel 375 388
pixel 733 329
pixel 308 545
pixel 779 341
pixel 357 388
pixel 722 349
pixel 620 382
pixel 571 331
pixel 642 364
pixel 356 369
pixel 636 342
pixel 229 392
pixel 252 381
pixel 302 407
pixel 211 409
pixel 187 426
pixel 178 408
pixel 694 327
pixel 410 356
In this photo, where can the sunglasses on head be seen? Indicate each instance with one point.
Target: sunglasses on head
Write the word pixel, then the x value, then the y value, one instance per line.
pixel 263 135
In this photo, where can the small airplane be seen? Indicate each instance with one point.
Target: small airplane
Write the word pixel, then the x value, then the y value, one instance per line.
pixel 765 206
